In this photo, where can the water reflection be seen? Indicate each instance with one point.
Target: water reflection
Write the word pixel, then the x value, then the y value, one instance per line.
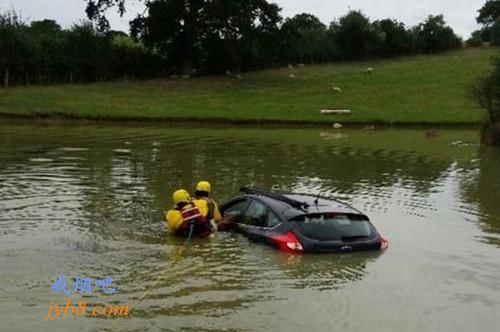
pixel 324 272
pixel 483 189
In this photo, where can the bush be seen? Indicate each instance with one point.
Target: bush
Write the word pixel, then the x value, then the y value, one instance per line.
pixel 490 134
pixel 495 33
pixel 486 91
pixel 476 39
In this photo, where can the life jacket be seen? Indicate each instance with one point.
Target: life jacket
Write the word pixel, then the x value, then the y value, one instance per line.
pixel 191 215
pixel 210 207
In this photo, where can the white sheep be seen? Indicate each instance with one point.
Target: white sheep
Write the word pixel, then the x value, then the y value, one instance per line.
pixel 230 74
pixel 336 89
pixel 292 76
pixel 337 125
pixel 368 71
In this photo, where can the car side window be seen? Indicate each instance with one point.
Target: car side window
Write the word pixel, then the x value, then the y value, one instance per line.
pixel 273 220
pixel 258 214
pixel 236 209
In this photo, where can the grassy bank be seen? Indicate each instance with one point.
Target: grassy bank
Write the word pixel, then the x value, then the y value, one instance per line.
pixel 420 89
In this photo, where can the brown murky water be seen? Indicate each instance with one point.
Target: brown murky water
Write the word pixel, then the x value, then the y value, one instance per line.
pixel 87 201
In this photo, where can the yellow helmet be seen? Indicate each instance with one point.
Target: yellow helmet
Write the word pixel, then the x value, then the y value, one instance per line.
pixel 181 196
pixel 203 186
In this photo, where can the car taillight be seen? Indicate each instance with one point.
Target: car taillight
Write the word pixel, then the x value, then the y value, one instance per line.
pixel 287 243
pixel 384 243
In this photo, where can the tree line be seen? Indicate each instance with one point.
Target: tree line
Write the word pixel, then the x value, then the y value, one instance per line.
pixel 44 53
pixel 200 37
pixel 489 18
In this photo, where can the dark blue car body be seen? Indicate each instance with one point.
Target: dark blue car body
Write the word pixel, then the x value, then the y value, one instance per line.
pixel 301 223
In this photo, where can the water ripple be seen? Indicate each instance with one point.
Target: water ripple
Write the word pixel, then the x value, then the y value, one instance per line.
pixel 88 201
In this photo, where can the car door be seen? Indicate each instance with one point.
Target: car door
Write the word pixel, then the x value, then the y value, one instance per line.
pixel 257 221
pixel 235 208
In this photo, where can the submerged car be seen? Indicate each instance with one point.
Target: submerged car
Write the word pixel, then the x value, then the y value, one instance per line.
pixel 299 223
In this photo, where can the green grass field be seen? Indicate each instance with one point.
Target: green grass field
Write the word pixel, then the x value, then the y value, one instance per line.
pixel 418 89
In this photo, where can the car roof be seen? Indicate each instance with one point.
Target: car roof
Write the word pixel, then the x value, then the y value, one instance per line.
pixel 295 204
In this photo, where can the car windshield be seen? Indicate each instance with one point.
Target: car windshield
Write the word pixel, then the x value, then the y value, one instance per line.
pixel 333 227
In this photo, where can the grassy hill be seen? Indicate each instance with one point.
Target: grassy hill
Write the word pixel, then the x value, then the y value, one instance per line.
pixel 418 89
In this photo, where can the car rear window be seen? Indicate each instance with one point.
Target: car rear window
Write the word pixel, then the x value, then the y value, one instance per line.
pixel 333 227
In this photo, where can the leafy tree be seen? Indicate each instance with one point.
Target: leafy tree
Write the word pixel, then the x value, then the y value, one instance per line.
pixel 132 58
pixel 96 10
pixel 14 47
pixel 494 30
pixel 172 26
pixel 483 35
pixel 46 39
pixel 476 39
pixel 486 91
pixel 354 34
pixel 486 34
pixel 333 49
pixel 395 38
pixel 489 17
pixel 489 13
pixel 81 46
pixel 238 25
pixel 434 36
pixel 185 31
pixel 261 46
pixel 304 39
